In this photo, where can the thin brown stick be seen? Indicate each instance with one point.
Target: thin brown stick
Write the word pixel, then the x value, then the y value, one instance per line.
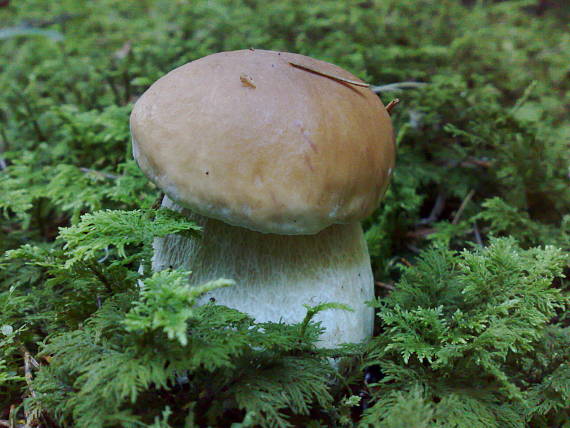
pixel 476 162
pixel 29 363
pixel 413 248
pixel 12 416
pixel 420 233
pixel 392 104
pixel 436 211
pixel 385 285
pixel 28 366
pixel 461 208
pixel 332 76
pixel 468 163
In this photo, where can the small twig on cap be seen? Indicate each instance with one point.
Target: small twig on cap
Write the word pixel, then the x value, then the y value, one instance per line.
pixel 332 76
pixel 247 80
pixel 461 208
pixel 392 104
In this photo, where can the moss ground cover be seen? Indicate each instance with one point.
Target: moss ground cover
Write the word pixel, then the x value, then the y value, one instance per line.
pixel 469 249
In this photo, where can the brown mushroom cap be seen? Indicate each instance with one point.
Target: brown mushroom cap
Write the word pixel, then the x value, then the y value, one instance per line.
pixel 250 139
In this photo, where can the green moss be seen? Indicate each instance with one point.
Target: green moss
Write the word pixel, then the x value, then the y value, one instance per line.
pixel 474 337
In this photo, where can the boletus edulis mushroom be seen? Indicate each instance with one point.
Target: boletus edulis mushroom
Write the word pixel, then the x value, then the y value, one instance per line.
pixel 278 157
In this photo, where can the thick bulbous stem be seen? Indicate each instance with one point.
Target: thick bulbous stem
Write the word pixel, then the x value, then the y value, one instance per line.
pixel 277 274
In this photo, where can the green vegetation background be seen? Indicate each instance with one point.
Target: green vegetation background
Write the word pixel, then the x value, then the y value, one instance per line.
pixel 469 248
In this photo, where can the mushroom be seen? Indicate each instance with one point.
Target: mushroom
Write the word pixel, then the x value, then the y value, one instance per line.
pixel 277 156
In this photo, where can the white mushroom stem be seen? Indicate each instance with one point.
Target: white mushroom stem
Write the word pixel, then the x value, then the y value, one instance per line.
pixel 277 274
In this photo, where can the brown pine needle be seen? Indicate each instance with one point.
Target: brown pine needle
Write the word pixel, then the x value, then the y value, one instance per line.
pixel 385 285
pixel 332 76
pixel 392 104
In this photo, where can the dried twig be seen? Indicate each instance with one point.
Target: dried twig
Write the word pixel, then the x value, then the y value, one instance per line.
pixel 420 233
pixel 392 104
pixel 332 76
pixel 12 416
pixel 436 211
pixel 476 162
pixel 29 363
pixel 467 163
pixel 397 86
pixel 32 361
pixel 12 422
pixel 413 248
pixel 384 285
pixel 461 208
